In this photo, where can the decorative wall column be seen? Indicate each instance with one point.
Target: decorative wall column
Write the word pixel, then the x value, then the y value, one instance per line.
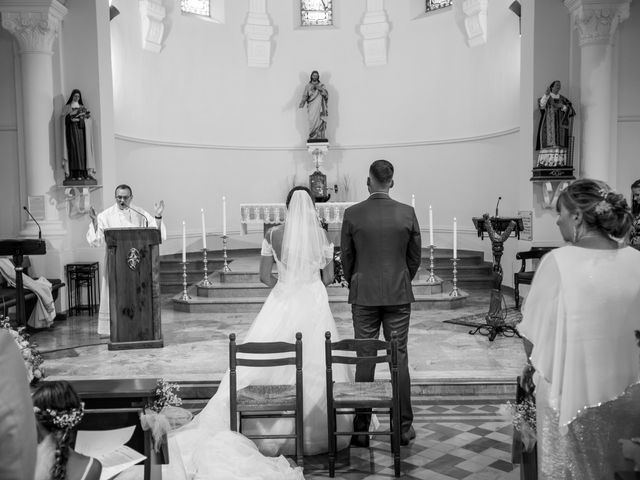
pixel 152 13
pixel 475 21
pixel 258 31
pixel 596 23
pixel 35 25
pixel 375 34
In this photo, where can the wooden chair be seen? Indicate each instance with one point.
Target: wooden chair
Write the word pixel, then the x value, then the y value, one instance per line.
pixel 524 276
pixel 381 396
pixel 267 401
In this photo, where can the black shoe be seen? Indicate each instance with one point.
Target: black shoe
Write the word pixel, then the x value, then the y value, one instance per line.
pixel 360 441
pixel 407 436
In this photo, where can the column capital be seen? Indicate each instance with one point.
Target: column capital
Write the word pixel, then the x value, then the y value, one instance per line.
pixel 597 21
pixel 34 23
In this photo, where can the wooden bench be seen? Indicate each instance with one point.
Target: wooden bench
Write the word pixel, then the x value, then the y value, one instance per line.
pixel 8 295
pixel 115 403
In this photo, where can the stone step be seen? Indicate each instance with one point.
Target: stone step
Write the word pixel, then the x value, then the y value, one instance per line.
pixel 257 289
pixel 338 303
pixel 195 395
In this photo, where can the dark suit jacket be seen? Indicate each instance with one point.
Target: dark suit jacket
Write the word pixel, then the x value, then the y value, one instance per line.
pixel 380 251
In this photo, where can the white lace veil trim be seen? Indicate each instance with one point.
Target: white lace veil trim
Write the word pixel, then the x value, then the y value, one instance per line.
pixel 305 248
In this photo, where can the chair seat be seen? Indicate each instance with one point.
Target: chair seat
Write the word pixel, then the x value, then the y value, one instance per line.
pixel 281 396
pixel 350 394
pixel 524 276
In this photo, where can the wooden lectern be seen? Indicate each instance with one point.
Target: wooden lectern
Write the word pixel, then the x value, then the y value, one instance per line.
pixel 498 229
pixel 133 266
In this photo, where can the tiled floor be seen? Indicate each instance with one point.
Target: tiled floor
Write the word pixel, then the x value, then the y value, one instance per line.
pixel 456 438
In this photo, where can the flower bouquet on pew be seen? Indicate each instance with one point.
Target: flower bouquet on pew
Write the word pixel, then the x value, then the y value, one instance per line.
pixel 165 413
pixel 32 359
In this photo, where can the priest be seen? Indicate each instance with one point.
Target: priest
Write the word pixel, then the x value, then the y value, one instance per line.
pixel 121 215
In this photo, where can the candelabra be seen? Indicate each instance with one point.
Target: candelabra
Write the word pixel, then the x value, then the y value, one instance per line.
pixel 455 292
pixel 225 268
pixel 185 296
pixel 205 282
pixel 432 277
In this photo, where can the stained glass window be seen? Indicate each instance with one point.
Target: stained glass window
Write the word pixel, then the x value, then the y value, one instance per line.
pixel 197 7
pixel 316 12
pixel 438 4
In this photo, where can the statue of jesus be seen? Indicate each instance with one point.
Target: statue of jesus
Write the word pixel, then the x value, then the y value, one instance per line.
pixel 315 96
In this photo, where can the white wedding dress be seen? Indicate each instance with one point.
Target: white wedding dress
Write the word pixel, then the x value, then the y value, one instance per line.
pixel 297 303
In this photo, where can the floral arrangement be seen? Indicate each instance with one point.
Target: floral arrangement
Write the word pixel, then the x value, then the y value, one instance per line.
pixel 29 351
pixel 338 272
pixel 523 417
pixel 166 394
pixel 164 414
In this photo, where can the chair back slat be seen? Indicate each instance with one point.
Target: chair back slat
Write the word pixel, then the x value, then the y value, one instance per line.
pixel 265 362
pixel 360 360
pixel 266 347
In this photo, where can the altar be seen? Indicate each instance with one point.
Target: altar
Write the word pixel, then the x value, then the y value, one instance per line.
pixel 260 213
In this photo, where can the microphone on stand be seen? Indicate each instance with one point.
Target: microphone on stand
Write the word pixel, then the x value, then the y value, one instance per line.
pixel 33 218
pixel 146 222
pixel 497 203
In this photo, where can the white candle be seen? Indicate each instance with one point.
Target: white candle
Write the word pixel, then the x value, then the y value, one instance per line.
pixel 455 238
pixel 413 200
pixel 204 230
pixel 184 242
pixel 224 216
pixel 430 225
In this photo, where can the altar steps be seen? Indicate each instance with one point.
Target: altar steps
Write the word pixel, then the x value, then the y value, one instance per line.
pixel 240 290
pixel 473 271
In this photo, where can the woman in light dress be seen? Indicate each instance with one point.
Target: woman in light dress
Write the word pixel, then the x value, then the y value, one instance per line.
pixel 297 303
pixel 580 317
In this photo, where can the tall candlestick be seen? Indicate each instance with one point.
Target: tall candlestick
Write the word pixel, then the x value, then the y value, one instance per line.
pixel 430 225
pixel 184 242
pixel 224 216
pixel 455 238
pixel 204 230
pixel 413 200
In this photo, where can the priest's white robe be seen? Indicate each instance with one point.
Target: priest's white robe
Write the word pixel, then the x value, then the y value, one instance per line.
pixel 113 217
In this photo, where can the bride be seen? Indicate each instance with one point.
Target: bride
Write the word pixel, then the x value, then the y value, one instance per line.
pixel 297 303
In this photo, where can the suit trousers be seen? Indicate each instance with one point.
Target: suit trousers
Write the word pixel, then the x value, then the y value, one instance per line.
pixel 367 321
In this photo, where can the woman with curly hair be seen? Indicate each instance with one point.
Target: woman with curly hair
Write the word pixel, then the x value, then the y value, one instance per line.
pixel 58 412
pixel 579 321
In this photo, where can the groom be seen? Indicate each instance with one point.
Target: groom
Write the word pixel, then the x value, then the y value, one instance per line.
pixel 381 252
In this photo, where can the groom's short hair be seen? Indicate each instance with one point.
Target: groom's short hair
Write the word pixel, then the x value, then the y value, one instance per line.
pixel 381 171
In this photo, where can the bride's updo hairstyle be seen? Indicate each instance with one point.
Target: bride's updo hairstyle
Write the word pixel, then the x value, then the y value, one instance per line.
pixel 602 209
pixel 295 189
pixel 58 410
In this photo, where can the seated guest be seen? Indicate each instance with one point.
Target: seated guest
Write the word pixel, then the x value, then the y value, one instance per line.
pixel 121 215
pixel 58 411
pixel 45 310
pixel 580 317
pixel 17 425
